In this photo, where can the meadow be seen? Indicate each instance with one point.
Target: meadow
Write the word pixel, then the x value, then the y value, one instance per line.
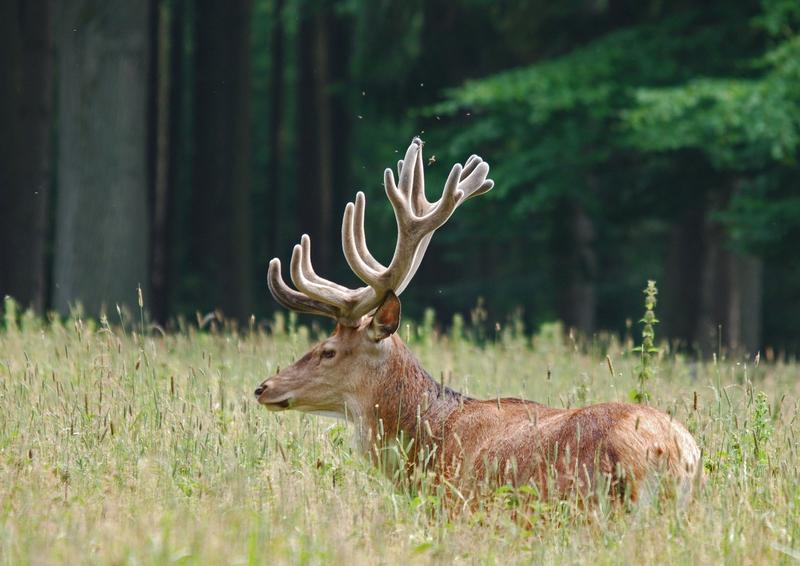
pixel 122 444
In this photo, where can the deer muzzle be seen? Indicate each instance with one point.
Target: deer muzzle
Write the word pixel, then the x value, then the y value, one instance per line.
pixel 262 393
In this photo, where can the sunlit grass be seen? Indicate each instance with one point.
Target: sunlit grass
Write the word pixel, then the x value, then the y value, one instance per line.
pixel 116 447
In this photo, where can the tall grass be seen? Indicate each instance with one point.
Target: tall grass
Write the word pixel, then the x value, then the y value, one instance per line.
pixel 117 447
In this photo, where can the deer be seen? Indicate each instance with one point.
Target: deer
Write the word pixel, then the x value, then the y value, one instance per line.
pixel 363 372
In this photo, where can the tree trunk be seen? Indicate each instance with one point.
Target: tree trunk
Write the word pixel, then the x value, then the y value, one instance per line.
pixel 221 243
pixel 179 152
pixel 101 221
pixel 713 291
pixel 277 133
pixel 731 293
pixel 26 93
pixel 576 268
pixel 340 48
pixel 315 145
pixel 738 302
pixel 750 275
pixel 680 302
pixel 160 62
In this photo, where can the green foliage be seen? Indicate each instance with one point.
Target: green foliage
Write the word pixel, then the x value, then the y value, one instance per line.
pixel 780 18
pixel 764 214
pixel 762 427
pixel 740 124
pixel 557 120
pixel 748 129
pixel 748 448
pixel 698 108
pixel 558 134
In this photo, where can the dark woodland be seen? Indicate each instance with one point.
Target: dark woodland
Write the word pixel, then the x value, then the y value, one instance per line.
pixel 178 145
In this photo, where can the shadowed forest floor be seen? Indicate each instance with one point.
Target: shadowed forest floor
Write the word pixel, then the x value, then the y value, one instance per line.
pixel 118 448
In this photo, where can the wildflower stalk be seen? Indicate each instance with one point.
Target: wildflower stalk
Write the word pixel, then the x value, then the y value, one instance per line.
pixel 647 350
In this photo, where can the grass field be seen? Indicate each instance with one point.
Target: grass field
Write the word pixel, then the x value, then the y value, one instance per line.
pixel 121 448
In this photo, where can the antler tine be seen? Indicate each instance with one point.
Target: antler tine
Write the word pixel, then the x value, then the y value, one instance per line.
pixel 350 247
pixel 407 174
pixel 470 164
pixel 290 298
pixel 473 181
pixel 419 203
pixel 317 288
pixel 360 235
pixel 399 193
pixel 308 269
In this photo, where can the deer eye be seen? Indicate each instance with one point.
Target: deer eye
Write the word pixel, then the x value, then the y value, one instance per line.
pixel 328 354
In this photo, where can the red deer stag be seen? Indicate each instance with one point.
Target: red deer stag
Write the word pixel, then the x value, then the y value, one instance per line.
pixel 365 373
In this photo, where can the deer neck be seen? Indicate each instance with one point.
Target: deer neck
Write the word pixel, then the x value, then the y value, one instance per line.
pixel 405 403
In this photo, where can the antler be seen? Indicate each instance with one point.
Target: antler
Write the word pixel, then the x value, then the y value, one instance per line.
pixel 417 220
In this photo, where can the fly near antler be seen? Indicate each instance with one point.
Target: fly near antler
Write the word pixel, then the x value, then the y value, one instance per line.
pixel 364 372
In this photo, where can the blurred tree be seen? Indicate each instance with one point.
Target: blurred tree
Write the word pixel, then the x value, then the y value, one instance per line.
pixel 160 112
pixel 26 92
pixel 314 131
pixel 322 131
pixel 102 228
pixel 221 213
pixel 277 125
pixel 273 45
pixel 181 286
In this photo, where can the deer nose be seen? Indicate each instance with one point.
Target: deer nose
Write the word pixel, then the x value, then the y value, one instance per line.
pixel 260 389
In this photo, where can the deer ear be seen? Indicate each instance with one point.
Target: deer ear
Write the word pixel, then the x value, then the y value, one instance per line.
pixel 386 319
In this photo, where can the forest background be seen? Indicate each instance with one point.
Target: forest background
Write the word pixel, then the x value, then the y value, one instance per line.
pixel 177 145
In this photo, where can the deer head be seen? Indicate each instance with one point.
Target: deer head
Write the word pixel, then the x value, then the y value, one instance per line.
pixel 338 375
